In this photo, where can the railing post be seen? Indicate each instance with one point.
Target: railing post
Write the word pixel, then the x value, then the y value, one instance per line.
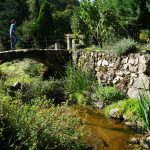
pixel 56 46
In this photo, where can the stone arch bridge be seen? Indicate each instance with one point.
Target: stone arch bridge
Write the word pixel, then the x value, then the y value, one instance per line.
pixel 55 60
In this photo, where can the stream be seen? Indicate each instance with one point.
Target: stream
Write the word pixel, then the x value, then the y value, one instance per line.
pixel 103 133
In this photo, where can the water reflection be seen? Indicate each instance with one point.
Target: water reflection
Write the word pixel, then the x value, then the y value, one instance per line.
pixel 103 133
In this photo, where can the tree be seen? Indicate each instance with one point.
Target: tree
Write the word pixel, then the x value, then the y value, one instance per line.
pixel 11 9
pixel 34 7
pixel 94 19
pixel 43 29
pixel 134 15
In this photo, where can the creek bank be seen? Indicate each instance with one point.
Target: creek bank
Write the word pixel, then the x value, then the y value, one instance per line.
pixel 139 140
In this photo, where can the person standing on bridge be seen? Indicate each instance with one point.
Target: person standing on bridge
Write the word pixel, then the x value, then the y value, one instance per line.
pixel 13 35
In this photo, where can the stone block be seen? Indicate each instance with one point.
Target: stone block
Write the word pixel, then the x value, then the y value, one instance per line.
pixel 142 82
pixel 105 63
pixel 99 63
pixel 111 65
pixel 131 61
pixel 134 75
pixel 126 66
pixel 133 68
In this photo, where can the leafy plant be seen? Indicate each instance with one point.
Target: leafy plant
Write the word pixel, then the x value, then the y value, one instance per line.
pixel 109 94
pixel 79 83
pixel 125 46
pixel 144 104
pixel 33 68
pixel 38 126
pixel 95 20
pixel 144 35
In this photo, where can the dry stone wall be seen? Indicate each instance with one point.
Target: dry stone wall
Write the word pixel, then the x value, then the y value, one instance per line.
pixel 130 73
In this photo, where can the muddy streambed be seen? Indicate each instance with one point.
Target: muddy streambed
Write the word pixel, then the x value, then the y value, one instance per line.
pixel 103 133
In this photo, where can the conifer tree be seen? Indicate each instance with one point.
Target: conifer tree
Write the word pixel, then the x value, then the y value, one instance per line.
pixel 43 31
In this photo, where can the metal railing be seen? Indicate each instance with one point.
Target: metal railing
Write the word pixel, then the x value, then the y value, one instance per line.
pixel 58 42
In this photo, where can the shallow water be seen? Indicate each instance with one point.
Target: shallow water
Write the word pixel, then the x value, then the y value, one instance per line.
pixel 103 133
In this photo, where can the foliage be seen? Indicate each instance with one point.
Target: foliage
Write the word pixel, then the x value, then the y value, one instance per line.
pixel 79 83
pixel 109 94
pixel 95 20
pixel 45 88
pixel 1 47
pixel 133 14
pixel 124 46
pixel 38 126
pixel 128 108
pixel 11 9
pixel 34 7
pixel 21 71
pixel 135 110
pixel 144 104
pixel 62 22
pixel 144 35
pixel 43 30
pixel 80 98
pixel 33 68
pixel 25 31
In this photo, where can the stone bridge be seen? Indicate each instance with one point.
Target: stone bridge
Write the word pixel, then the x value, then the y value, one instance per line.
pixel 55 60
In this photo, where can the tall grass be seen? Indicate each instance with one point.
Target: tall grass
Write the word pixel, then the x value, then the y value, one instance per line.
pixel 144 104
pixel 78 82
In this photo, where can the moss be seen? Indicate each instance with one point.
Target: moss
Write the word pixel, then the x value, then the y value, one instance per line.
pixel 16 72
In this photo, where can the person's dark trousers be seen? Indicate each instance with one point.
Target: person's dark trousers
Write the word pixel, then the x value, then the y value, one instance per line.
pixel 13 42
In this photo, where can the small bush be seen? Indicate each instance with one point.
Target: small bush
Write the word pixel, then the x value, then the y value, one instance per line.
pixel 39 88
pixel 124 46
pixel 79 98
pixel 144 35
pixel 144 104
pixel 33 69
pixel 109 94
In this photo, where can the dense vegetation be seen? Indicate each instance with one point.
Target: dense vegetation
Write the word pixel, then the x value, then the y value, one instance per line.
pixel 29 105
pixel 30 117
pixel 43 22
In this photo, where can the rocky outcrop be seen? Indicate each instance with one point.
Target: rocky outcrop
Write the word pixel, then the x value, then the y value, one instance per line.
pixel 130 73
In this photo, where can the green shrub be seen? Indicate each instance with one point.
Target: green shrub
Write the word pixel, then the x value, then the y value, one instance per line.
pixel 144 104
pixel 79 98
pixel 129 108
pixel 124 46
pixel 27 126
pixel 39 88
pixel 109 94
pixel 144 35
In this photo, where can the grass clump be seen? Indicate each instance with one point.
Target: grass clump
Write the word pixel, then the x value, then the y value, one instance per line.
pixel 109 94
pixel 135 111
pixel 144 104
pixel 128 107
pixel 38 126
pixel 144 35
pixel 125 46
pixel 78 84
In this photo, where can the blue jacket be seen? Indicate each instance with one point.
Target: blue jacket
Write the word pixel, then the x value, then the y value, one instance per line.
pixel 12 30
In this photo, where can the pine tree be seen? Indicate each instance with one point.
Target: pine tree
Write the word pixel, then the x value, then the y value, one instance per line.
pixel 43 31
